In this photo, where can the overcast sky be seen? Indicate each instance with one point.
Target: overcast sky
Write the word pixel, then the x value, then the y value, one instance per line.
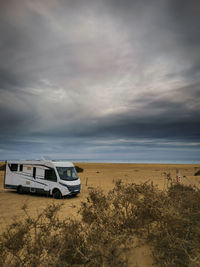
pixel 100 79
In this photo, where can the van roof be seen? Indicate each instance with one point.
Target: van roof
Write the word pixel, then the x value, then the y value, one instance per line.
pixel 63 164
pixel 48 163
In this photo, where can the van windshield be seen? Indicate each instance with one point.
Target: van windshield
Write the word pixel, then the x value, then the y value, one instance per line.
pixel 67 173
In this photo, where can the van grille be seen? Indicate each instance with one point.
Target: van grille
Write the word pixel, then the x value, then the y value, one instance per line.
pixel 74 188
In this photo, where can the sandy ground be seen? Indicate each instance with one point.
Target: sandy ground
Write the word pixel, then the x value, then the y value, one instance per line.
pixel 96 175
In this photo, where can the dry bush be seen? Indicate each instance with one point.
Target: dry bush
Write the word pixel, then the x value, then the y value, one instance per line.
pixel 177 238
pixel 197 173
pixel 168 220
pixel 48 241
pixel 79 169
pixel 2 167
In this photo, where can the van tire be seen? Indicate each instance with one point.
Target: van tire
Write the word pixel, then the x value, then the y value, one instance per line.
pixel 57 194
pixel 19 189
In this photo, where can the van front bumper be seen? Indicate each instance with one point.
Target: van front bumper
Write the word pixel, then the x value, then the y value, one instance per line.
pixel 73 189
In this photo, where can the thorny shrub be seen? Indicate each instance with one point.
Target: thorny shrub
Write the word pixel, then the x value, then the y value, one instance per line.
pixel 79 169
pixel 168 220
pixel 197 173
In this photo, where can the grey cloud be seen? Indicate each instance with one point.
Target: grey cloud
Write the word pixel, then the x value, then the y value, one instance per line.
pixel 98 69
pixel 186 19
pixel 9 80
pixel 185 23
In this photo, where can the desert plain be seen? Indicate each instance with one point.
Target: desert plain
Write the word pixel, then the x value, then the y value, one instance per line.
pixel 103 175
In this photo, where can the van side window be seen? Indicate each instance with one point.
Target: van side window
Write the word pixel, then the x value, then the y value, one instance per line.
pixel 13 167
pixel 21 168
pixel 50 175
pixel 34 172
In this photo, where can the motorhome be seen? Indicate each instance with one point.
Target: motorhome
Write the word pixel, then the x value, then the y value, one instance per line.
pixel 57 179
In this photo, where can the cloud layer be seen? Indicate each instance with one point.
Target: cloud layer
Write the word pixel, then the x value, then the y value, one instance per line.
pixel 102 79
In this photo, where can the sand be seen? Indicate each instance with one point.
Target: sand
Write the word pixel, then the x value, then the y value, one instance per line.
pixel 97 175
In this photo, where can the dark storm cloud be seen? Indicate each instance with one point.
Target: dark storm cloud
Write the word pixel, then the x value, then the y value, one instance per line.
pixel 8 80
pixel 169 119
pixel 186 20
pixel 98 70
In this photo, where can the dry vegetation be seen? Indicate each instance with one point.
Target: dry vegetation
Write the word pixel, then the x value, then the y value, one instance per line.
pixel 197 173
pixel 167 220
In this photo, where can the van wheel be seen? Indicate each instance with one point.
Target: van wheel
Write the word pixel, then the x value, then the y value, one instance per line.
pixel 19 189
pixel 57 194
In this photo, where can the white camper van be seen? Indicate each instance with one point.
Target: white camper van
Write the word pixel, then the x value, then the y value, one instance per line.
pixel 53 178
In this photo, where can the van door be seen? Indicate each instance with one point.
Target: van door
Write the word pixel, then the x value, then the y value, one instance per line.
pixel 28 181
pixel 50 179
pixel 32 183
pixel 40 183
